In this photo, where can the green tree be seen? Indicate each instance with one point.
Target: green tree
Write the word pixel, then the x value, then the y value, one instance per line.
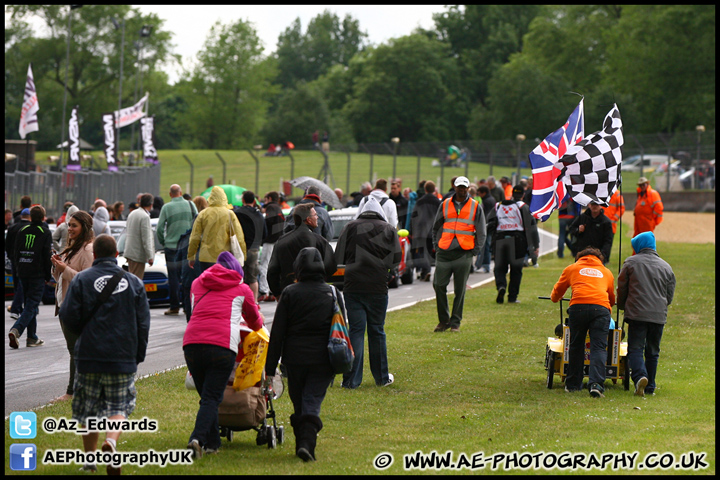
pixel 664 56
pixel 328 41
pixel 228 91
pixel 94 70
pixel 522 98
pixel 482 38
pixel 300 111
pixel 401 89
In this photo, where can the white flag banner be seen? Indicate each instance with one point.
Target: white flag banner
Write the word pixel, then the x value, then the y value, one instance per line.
pixel 74 140
pixel 147 131
pixel 129 115
pixel 28 114
pixel 108 120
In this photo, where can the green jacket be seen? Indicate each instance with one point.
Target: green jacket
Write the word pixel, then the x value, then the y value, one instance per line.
pixel 176 217
pixel 211 230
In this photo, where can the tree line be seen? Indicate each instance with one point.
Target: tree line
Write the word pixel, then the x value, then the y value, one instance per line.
pixel 483 72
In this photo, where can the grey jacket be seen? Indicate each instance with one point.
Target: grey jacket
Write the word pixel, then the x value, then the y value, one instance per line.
pixel 645 287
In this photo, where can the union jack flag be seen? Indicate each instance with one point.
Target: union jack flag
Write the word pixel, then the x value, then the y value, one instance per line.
pixel 549 189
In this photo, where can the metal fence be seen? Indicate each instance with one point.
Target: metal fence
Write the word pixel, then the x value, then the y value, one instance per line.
pixel 693 149
pixel 52 189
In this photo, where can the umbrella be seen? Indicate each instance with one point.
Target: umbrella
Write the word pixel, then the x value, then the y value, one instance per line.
pixel 233 192
pixel 326 193
pixel 83 145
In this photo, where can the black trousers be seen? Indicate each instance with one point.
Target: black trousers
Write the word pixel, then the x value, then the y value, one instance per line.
pixel 507 254
pixel 307 386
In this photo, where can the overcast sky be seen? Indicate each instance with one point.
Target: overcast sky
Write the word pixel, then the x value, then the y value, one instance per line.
pixel 191 24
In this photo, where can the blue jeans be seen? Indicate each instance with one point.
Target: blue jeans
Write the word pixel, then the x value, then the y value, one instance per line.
pixel 483 260
pixel 596 319
pixel 32 290
pixel 210 367
pixel 562 236
pixel 173 269
pixel 644 337
pixel 18 297
pixel 367 310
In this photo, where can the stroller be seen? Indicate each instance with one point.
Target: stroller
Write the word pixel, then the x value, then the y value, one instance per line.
pixel 251 408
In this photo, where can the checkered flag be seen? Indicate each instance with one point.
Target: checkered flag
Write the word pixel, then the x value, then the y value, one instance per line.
pixel 593 164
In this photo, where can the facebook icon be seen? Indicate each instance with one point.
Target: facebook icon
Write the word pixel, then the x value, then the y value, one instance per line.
pixel 23 456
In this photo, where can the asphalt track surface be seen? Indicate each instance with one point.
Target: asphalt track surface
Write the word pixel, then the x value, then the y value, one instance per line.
pixel 36 376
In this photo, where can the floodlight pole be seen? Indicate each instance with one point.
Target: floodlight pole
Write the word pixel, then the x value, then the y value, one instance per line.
pixel 67 65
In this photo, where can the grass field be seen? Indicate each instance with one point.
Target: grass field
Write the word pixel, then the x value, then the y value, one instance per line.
pixel 482 390
pixel 241 169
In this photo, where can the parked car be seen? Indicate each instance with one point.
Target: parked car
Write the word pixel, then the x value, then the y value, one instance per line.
pixel 649 163
pixel 155 279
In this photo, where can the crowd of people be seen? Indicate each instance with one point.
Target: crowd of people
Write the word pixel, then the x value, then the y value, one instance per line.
pixel 289 260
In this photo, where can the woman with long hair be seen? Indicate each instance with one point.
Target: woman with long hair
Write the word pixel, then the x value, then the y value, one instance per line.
pixel 77 256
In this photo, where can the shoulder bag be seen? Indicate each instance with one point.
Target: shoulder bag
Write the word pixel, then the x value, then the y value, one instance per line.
pixel 340 349
pixel 235 248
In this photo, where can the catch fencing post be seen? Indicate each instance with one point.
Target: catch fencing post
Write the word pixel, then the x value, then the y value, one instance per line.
pixel 224 167
pixel 257 170
pixel 348 172
pixel 364 147
pixel 292 167
pixel 192 173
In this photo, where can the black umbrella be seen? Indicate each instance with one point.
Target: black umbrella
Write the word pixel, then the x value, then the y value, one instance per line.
pixel 327 194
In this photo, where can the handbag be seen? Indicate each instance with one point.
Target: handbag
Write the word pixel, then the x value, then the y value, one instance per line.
pixel 340 349
pixel 235 248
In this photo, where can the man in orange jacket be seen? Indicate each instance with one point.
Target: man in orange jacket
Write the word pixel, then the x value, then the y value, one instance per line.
pixel 593 295
pixel 615 209
pixel 648 208
pixel 458 234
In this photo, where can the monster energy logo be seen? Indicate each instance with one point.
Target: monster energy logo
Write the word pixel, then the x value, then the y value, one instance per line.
pixel 29 241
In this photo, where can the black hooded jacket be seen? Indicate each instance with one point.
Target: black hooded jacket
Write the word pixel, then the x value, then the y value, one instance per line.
pixel 301 326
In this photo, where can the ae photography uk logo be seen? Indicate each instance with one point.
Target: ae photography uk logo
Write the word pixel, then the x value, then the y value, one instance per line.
pixel 23 456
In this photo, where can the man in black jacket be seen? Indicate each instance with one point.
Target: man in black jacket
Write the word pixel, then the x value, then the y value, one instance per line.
pixel 421 220
pixel 593 229
pixel 368 247
pixel 280 270
pixel 324 224
pixel 255 231
pixel 514 234
pixel 16 307
pixel 112 342
pixel 33 246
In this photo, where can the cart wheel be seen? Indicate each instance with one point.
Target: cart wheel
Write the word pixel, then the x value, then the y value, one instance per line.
pixel 626 378
pixel 262 437
pixel 272 437
pixel 550 368
pixel 280 435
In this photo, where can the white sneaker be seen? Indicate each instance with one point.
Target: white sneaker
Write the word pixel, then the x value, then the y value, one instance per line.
pixel 391 379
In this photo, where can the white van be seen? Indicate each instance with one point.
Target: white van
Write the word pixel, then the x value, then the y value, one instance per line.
pixel 649 162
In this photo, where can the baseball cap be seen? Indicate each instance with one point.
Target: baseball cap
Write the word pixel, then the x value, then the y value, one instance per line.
pixel 462 182
pixel 642 180
pixel 518 189
pixel 25 211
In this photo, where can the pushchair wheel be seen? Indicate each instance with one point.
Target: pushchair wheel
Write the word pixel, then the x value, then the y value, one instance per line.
pixel 262 437
pixel 272 437
pixel 280 434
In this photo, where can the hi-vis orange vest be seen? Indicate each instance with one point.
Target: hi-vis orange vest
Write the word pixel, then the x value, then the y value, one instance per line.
pixel 458 224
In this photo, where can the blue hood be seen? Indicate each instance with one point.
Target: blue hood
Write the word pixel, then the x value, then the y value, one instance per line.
pixel 643 240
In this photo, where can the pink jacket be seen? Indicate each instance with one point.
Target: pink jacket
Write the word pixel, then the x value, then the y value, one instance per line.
pixel 220 301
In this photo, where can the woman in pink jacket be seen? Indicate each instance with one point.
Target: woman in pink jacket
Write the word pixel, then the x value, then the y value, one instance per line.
pixel 77 256
pixel 220 300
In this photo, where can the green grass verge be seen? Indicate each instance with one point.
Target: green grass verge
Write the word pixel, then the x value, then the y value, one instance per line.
pixel 482 390
pixel 241 169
